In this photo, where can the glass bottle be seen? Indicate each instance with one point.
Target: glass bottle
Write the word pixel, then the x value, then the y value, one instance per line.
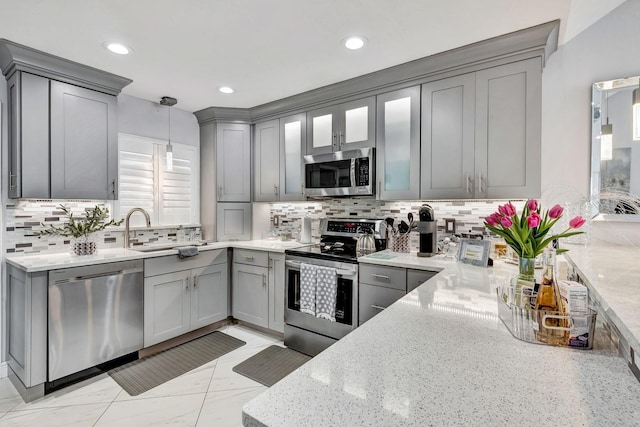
pixel 551 317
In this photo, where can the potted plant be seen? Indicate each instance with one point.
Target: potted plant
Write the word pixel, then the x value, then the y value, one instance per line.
pixel 80 229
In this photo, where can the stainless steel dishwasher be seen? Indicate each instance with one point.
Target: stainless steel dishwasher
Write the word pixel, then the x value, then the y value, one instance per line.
pixel 95 315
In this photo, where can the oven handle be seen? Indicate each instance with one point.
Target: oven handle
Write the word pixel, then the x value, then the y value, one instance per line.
pixel 344 273
pixel 352 174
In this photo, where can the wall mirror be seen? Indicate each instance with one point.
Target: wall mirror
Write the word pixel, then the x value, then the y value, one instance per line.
pixel 615 149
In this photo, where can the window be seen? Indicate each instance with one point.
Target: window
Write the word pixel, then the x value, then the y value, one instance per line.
pixel 171 198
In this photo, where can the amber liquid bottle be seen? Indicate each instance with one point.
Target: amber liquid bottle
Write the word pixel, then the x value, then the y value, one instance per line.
pixel 553 327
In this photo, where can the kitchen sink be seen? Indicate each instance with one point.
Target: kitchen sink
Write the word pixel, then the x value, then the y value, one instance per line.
pixel 167 247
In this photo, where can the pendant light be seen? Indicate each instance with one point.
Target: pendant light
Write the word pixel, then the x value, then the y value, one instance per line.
pixel 169 102
pixel 606 138
pixel 636 114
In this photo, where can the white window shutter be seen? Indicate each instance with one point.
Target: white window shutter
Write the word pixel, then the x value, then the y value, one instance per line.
pixel 136 183
pixel 177 201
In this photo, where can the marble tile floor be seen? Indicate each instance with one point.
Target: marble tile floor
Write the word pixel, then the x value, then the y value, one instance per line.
pixel 211 395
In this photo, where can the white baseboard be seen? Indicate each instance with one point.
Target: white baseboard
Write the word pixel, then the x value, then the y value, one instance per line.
pixel 4 370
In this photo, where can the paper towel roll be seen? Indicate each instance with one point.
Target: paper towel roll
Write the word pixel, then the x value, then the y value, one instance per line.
pixel 305 231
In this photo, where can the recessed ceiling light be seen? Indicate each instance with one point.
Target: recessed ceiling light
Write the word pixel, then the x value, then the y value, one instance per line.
pixel 118 48
pixel 226 89
pixel 355 42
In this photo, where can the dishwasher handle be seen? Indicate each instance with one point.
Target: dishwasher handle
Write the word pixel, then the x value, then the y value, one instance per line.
pixel 96 275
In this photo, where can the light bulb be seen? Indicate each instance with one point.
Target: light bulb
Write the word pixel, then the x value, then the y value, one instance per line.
pixel 606 142
pixel 169 158
pixel 636 115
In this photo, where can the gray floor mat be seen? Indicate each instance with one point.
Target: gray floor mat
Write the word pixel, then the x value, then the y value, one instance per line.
pixel 271 364
pixel 144 374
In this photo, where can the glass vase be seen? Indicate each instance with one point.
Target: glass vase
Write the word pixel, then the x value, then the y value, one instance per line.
pixel 524 283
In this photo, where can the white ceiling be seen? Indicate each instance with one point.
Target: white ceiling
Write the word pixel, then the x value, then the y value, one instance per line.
pixel 267 50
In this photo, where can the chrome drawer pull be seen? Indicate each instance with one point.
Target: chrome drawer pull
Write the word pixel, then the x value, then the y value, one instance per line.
pixel 249 258
pixel 380 276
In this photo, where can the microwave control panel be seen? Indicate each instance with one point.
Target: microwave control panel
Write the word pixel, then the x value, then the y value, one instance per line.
pixel 362 172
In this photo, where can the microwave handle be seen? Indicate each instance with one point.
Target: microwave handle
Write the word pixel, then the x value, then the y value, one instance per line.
pixel 352 173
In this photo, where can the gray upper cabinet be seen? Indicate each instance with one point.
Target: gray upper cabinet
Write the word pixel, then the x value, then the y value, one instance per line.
pixel 508 131
pixel 62 126
pixel 481 134
pixel 84 144
pixel 398 144
pixel 293 136
pixel 448 138
pixel 278 149
pixel 346 126
pixel 233 162
pixel 233 221
pixel 266 152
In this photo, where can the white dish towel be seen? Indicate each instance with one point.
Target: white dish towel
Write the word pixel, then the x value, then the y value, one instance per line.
pixel 308 275
pixel 326 290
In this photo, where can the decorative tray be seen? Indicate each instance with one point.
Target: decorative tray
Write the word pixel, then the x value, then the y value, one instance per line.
pixel 575 330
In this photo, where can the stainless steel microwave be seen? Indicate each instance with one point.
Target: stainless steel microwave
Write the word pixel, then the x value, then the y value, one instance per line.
pixel 343 173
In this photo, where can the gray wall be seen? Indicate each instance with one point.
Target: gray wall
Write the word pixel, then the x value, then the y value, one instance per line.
pixel 606 50
pixel 145 118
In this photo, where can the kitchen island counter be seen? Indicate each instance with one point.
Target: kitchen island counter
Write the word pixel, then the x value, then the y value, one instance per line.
pixel 441 356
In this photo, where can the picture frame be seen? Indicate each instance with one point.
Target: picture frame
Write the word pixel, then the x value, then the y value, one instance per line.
pixel 474 252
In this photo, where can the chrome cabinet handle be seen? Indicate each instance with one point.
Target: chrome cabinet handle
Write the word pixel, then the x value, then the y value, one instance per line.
pixel 113 188
pixel 195 282
pixel 341 139
pixel 220 192
pixel 380 276
pixel 468 183
pixel 270 264
pixel 186 287
pixel 249 258
pixel 335 141
pixel 275 190
pixel 379 187
pixel 11 184
pixel 377 307
pixel 264 279
pixel 302 189
pixel 480 182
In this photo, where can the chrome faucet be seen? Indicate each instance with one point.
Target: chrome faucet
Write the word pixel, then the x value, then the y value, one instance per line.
pixel 126 223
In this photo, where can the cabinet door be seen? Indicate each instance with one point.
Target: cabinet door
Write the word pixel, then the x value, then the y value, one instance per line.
pixel 322 130
pixel 266 144
pixel 293 137
pixel 447 143
pixel 398 146
pixel 167 306
pixel 373 299
pixel 357 124
pixel 28 151
pixel 250 294
pixel 276 292
pixel 416 278
pixel 508 122
pixel 233 162
pixel 209 295
pixel 233 221
pixel 84 145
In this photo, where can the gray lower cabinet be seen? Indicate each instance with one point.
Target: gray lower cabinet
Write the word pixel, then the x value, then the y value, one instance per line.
pixel 27 325
pixel 62 140
pixel 381 286
pixel 276 292
pixel 250 294
pixel 480 134
pixel 181 295
pixel 258 288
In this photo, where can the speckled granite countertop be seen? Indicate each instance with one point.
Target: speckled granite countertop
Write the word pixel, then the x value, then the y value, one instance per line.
pixel 441 356
pixel 42 262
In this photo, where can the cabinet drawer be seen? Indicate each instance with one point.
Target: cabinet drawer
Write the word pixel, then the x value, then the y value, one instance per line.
pixel 389 277
pixel 374 299
pixel 249 257
pixel 416 278
pixel 172 263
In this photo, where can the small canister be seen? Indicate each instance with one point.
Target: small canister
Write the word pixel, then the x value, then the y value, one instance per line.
pixel 305 231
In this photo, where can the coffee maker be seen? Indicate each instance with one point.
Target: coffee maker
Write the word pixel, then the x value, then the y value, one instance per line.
pixel 428 232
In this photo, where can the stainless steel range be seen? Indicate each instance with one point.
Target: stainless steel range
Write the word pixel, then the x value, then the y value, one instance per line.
pixel 328 271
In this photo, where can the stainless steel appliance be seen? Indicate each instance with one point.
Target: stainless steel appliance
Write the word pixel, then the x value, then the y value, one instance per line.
pixel 95 315
pixel 428 232
pixel 343 173
pixel 307 333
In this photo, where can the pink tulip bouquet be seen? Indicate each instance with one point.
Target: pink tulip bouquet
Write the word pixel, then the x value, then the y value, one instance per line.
pixel 527 233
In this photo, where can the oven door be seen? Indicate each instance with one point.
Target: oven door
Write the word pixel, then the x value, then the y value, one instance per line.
pixel 346 299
